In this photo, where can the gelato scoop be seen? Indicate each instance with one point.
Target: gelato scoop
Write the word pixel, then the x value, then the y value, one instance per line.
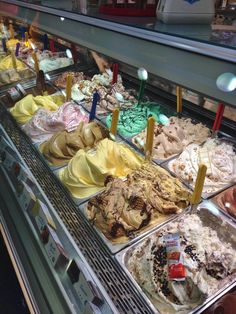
pixel 133 121
pixel 148 197
pixel 45 123
pixel 171 139
pixel 87 170
pixel 64 145
pixel 209 261
pixel 26 107
pixel 227 201
pixel 220 159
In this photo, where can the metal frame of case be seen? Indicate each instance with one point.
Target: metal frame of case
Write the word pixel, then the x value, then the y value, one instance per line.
pixel 173 58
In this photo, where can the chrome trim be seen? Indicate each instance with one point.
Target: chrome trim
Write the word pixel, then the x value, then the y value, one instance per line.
pixel 211 50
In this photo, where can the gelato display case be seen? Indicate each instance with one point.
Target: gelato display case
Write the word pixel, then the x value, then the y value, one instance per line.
pixel 89 214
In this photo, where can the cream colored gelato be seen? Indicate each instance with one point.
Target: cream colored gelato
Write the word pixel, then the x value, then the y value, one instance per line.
pixel 49 61
pixel 220 159
pixel 210 263
pixel 171 139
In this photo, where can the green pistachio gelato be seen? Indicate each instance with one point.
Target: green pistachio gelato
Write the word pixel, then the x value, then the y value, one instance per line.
pixel 132 121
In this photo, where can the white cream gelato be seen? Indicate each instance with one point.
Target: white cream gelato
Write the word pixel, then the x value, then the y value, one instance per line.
pixel 220 159
pixel 209 262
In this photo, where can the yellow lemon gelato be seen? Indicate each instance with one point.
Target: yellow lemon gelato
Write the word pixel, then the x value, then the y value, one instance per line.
pixel 87 170
pixel 11 43
pixel 6 64
pixel 26 107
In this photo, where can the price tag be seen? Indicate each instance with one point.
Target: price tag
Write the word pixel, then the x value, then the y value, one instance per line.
pixel 42 215
pixel 21 174
pixel 16 93
pixel 54 248
pixel 8 161
pixel 27 198
pixel 91 308
pixel 3 143
pixel 83 284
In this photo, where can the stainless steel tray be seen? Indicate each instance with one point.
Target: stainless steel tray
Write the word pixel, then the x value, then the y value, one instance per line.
pixel 167 165
pixel 160 161
pixel 213 200
pixel 211 217
pixel 116 247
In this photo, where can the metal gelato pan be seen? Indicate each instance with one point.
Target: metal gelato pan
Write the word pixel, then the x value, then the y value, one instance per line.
pixel 226 202
pixel 219 226
pixel 115 246
pixel 169 165
pixel 116 243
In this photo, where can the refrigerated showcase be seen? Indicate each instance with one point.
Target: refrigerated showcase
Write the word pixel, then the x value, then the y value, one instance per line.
pixel 171 61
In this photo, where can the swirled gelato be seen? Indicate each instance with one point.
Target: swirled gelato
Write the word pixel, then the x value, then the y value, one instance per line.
pixel 149 196
pixel 107 102
pixel 209 260
pixel 26 107
pixel 6 64
pixel 8 74
pixel 220 159
pixel 11 43
pixel 77 77
pixel 170 140
pixel 60 148
pixel 105 79
pixel 45 123
pixel 87 170
pixel 49 61
pixel 227 201
pixel 133 121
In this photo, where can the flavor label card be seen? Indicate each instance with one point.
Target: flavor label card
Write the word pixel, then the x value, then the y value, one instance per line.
pixel 42 215
pixel 7 160
pixel 26 198
pixel 54 248
pixel 21 173
pixel 3 143
pixel 91 308
pixel 84 287
pixel 16 93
